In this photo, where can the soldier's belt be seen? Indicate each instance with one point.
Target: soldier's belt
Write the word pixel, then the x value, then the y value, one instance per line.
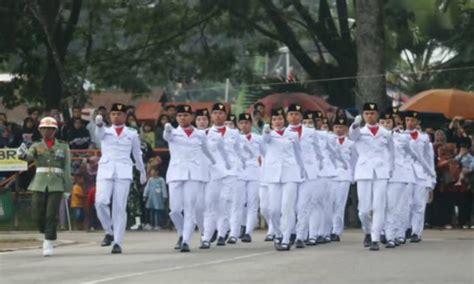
pixel 49 170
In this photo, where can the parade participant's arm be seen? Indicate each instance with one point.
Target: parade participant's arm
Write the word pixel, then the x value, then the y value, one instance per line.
pixel 100 129
pixel 262 148
pixel 391 154
pixel 332 144
pixel 67 170
pixel 168 132
pixel 299 159
pixel 221 149
pixel 24 154
pixel 205 149
pixel 137 156
pixel 429 154
pixel 354 157
pixel 266 134
pixel 317 148
pixel 354 129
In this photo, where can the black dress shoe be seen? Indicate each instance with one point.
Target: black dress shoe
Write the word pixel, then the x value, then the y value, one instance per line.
pixel 269 238
pixel 282 247
pixel 220 241
pixel 232 241
pixel 391 244
pixel 335 238
pixel 311 242
pixel 300 244
pixel 116 249
pixel 415 239
pixel 320 240
pixel 214 237
pixel 184 248
pixel 292 239
pixel 242 231
pixel 383 239
pixel 107 241
pixel 247 238
pixel 374 246
pixel 397 242
pixel 178 244
pixel 327 239
pixel 205 245
pixel 367 240
pixel 227 235
pixel 408 233
pixel 277 240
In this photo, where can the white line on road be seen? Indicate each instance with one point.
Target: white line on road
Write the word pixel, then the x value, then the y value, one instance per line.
pixel 175 268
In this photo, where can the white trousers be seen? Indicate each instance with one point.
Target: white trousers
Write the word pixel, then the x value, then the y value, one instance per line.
pixel 420 195
pixel 238 196
pixel 372 195
pixel 318 219
pixel 304 207
pixel 115 222
pixel 265 207
pixel 340 191
pixel 251 208
pixel 183 200
pixel 199 210
pixel 397 212
pixel 283 198
pixel 218 202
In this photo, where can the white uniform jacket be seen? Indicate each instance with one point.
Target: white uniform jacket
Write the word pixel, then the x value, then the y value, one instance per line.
pixel 115 161
pixel 403 170
pixel 187 156
pixel 345 170
pixel 282 162
pixel 252 167
pixel 423 163
pixel 375 153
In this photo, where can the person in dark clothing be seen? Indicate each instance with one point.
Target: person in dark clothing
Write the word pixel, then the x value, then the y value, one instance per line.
pixel 29 132
pixel 69 125
pixel 78 137
pixel 160 126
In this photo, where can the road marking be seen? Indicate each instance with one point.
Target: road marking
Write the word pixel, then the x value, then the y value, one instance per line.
pixel 175 268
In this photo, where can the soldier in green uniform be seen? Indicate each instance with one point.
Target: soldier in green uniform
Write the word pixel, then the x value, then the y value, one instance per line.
pixel 52 179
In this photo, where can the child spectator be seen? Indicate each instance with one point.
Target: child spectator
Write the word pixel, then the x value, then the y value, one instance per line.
pixel 148 134
pixel 155 196
pixel 77 201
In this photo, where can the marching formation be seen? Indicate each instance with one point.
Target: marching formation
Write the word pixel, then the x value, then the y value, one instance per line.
pixel 297 175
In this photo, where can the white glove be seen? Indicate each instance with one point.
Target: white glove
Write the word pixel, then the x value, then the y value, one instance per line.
pixel 168 127
pixel 358 120
pixel 99 120
pixel 22 151
pixel 142 178
pixel 66 195
pixel 266 129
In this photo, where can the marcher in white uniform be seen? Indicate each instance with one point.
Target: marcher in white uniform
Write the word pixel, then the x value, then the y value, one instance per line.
pixel 114 174
pixel 344 176
pixel 218 191
pixel 400 184
pixel 202 121
pixel 282 171
pixel 309 148
pixel 373 169
pixel 250 176
pixel 425 175
pixel 186 173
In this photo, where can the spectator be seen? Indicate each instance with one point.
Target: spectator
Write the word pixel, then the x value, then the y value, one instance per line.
pixel 455 132
pixel 68 126
pixel 149 134
pixel 102 110
pixel 258 122
pixel 262 109
pixel 131 109
pixel 171 112
pixel 160 127
pixel 132 122
pixel 29 133
pixel 7 140
pixel 155 196
pixel 93 221
pixel 34 113
pixel 78 197
pixel 78 137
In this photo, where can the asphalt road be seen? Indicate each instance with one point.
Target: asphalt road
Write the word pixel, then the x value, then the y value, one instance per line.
pixel 443 257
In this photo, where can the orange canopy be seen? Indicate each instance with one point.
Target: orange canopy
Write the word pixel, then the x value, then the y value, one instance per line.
pixel 450 102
